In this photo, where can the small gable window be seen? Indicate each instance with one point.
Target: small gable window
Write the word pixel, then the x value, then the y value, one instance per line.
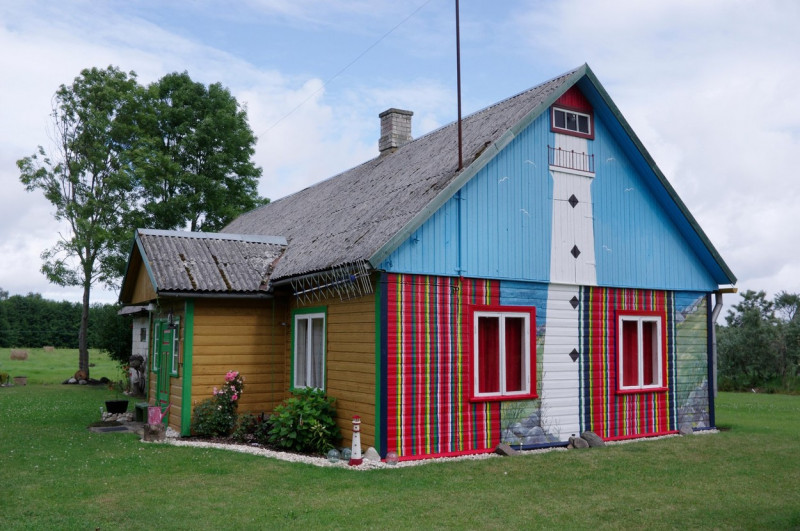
pixel 572 122
pixel 309 349
pixel 503 354
pixel 640 364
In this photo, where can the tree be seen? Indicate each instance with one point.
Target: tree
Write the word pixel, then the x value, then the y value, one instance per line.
pixel 173 155
pixel 89 180
pixel 198 172
pixel 111 332
pixel 761 342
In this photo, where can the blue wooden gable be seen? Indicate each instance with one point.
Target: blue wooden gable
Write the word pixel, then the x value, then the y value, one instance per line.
pixel 499 224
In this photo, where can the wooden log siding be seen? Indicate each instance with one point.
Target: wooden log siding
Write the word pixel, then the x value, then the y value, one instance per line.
pixel 240 335
pixel 350 364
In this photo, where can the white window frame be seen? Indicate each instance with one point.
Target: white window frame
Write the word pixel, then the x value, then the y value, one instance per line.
pixel 526 356
pixel 577 114
pixel 175 356
pixel 309 352
pixel 659 355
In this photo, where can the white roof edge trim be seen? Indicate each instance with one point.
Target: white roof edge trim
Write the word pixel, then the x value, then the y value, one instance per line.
pixel 253 238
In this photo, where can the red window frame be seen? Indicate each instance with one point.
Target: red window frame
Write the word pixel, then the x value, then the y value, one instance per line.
pixel 508 326
pixel 633 331
pixel 572 110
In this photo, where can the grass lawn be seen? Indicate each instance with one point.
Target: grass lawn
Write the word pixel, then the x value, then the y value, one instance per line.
pixel 58 475
pixel 50 367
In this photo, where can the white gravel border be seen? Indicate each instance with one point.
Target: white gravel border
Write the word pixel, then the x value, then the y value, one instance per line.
pixel 174 439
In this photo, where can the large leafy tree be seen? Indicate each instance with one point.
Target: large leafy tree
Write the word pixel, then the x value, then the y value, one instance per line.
pixel 176 154
pixel 198 172
pixel 761 342
pixel 88 178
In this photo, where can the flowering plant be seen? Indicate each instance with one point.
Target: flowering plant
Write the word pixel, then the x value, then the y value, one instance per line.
pixel 231 390
pixel 216 416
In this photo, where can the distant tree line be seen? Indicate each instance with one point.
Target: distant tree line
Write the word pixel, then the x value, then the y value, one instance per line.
pixel 760 346
pixel 31 321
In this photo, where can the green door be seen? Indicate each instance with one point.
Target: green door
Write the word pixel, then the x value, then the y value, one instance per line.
pixel 165 345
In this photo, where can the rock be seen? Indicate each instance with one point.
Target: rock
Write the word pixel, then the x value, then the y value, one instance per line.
pixel 593 439
pixel 71 381
pixel 82 382
pixel 505 450
pixel 686 429
pixel 372 455
pixel 578 442
pixel 154 432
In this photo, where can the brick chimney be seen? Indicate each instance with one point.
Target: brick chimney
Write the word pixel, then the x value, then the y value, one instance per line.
pixel 395 130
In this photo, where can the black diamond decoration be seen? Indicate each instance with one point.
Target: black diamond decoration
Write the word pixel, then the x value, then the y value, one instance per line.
pixel 573 200
pixel 574 355
pixel 574 302
pixel 575 251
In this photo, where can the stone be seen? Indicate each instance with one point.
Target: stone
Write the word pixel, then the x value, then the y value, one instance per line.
pixel 686 429
pixel 82 382
pixel 372 455
pixel 505 450
pixel 72 381
pixel 578 442
pixel 154 432
pixel 593 439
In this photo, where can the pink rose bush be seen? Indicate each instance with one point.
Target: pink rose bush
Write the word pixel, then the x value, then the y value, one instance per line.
pixel 216 416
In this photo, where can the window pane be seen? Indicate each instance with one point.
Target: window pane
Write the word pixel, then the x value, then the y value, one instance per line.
pixel 300 352
pixel 560 121
pixel 488 354
pixel 630 354
pixel 583 124
pixel 572 121
pixel 649 353
pixel 515 345
pixel 317 327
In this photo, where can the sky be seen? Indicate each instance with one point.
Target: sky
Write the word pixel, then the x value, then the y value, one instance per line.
pixel 709 86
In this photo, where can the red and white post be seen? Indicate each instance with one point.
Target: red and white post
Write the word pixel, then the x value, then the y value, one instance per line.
pixel 355 451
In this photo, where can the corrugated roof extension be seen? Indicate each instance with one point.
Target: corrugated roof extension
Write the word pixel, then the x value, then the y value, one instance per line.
pixel 197 262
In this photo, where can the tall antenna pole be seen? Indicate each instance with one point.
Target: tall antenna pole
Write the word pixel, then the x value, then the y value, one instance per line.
pixel 458 89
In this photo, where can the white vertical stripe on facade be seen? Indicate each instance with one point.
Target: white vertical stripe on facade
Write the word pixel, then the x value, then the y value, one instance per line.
pixel 560 391
pixel 573 226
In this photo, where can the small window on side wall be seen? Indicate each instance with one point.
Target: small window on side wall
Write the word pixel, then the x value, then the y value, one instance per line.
pixel 640 353
pixel 572 122
pixel 309 350
pixel 503 357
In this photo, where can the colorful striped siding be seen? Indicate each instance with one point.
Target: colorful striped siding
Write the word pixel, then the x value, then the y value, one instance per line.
pixel 604 411
pixel 427 366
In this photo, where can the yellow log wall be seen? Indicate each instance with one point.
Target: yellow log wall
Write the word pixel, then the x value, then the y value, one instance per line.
pixel 240 335
pixel 350 363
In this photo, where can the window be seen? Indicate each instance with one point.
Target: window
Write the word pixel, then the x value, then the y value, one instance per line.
pixel 309 349
pixel 142 334
pixel 641 362
pixel 503 353
pixel 174 355
pixel 572 122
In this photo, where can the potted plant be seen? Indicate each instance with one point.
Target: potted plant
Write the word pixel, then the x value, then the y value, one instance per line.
pixel 119 405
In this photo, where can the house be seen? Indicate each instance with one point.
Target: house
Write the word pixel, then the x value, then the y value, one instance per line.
pixel 554 284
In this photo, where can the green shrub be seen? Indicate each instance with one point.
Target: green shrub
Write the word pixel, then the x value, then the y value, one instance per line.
pixel 305 423
pixel 210 419
pixel 216 416
pixel 252 429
